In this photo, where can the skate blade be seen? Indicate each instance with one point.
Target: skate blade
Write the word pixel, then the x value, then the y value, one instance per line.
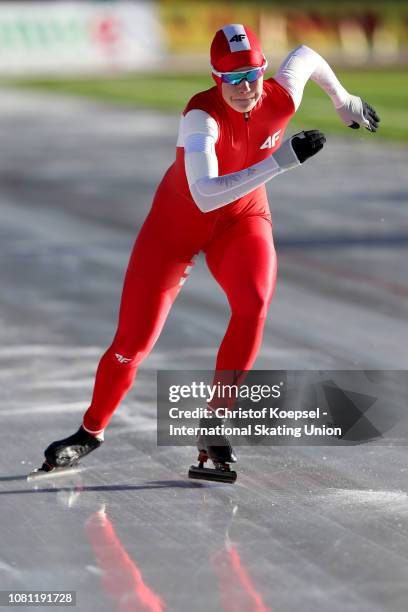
pixel 41 474
pixel 202 473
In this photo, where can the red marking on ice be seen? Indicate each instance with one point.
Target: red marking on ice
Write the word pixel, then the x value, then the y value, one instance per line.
pixel 121 577
pixel 237 589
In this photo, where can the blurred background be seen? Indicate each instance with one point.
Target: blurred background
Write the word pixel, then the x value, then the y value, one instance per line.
pixel 98 49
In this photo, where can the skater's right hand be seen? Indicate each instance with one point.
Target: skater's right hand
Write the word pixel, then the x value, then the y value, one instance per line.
pixel 298 148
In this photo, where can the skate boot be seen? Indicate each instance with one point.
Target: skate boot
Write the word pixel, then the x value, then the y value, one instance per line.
pixel 63 455
pixel 218 449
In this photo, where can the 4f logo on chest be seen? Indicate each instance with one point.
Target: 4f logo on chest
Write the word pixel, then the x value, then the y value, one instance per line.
pixel 271 141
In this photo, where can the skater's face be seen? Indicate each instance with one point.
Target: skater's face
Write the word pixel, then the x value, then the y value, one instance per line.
pixel 243 96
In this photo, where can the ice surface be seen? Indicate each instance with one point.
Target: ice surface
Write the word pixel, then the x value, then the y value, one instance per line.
pixel 308 529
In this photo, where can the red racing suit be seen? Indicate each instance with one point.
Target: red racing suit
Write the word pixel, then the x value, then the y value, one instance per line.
pixel 236 238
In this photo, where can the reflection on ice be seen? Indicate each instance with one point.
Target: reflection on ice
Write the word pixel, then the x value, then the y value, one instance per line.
pixel 237 589
pixel 121 577
pixel 123 581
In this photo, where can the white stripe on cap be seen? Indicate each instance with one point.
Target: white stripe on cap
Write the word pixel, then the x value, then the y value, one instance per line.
pixel 237 38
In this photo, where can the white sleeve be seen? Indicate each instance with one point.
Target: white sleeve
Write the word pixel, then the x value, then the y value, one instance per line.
pixel 198 135
pixel 303 64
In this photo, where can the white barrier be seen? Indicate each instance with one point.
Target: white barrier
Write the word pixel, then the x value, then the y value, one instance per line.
pixel 63 37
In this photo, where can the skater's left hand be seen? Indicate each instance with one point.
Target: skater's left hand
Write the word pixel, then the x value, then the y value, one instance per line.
pixel 356 112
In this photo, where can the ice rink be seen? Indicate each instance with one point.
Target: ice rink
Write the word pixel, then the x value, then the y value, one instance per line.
pixel 311 528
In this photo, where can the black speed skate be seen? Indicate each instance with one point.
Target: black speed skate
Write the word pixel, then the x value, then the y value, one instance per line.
pixel 62 456
pixel 219 450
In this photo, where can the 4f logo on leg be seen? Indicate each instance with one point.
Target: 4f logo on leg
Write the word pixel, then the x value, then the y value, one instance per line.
pixel 121 358
pixel 271 141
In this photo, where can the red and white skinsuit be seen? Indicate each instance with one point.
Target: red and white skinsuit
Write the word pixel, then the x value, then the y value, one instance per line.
pixel 211 199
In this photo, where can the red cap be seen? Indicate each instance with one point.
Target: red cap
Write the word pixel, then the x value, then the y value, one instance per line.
pixel 235 46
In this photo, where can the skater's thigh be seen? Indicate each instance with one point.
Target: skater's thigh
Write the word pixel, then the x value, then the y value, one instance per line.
pixel 154 261
pixel 153 279
pixel 243 261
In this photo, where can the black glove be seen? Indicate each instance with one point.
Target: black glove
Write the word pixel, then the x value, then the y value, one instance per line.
pixel 308 143
pixel 370 114
pixel 355 112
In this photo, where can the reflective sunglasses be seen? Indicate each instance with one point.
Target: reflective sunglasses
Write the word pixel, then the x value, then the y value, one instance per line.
pixel 235 78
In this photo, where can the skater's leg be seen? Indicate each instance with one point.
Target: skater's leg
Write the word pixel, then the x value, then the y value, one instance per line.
pixel 152 282
pixel 243 261
pixel 244 264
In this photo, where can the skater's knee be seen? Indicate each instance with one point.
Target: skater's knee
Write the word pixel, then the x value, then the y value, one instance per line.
pixel 253 304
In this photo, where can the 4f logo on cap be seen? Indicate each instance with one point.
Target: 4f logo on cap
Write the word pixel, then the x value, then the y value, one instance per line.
pixel 237 38
pixel 271 141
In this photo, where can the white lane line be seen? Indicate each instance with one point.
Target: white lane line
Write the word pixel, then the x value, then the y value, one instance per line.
pixel 84 383
pixel 52 408
pixel 29 350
